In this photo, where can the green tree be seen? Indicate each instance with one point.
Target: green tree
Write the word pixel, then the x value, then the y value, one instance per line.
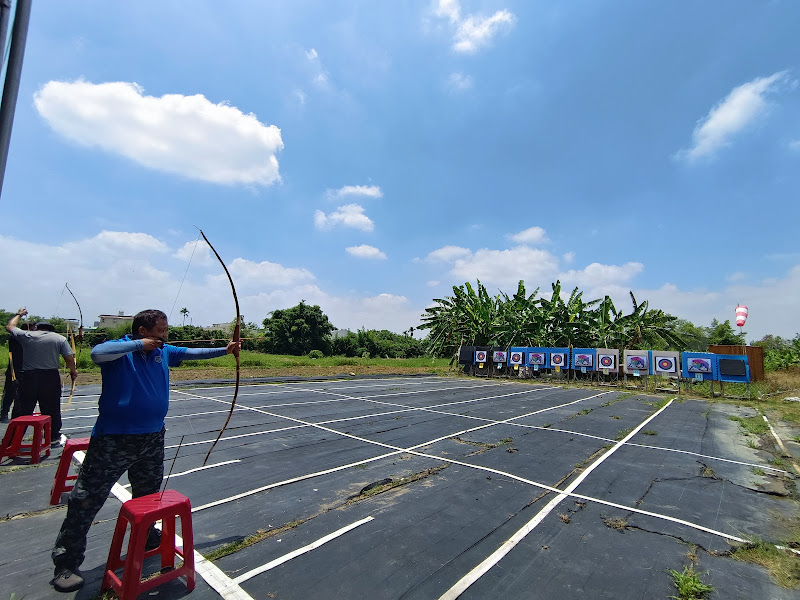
pixel 722 334
pixel 184 312
pixel 298 330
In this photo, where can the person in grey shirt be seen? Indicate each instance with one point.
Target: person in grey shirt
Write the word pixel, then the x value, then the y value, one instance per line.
pixel 41 381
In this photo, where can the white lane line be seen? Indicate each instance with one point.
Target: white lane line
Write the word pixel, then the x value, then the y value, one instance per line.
pixel 537 484
pixel 211 574
pixel 495 557
pixel 174 475
pixel 565 431
pixel 287 557
pixel 780 443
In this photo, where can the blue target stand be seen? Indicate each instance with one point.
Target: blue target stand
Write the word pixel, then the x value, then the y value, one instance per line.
pixel 466 359
pixel 583 364
pixel 636 365
pixel 607 365
pixel 558 362
pixel 733 368
pixel 499 359
pixel 666 368
pixel 516 361
pixel 480 365
pixel 536 361
pixel 697 367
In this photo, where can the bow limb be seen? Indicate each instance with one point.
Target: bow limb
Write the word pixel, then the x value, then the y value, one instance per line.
pixel 236 333
pixel 72 338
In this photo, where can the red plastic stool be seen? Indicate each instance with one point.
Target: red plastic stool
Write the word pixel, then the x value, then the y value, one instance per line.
pixel 12 441
pixel 62 474
pixel 141 513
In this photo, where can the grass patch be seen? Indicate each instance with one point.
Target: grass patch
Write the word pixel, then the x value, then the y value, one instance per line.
pixel 783 566
pixel 622 433
pixel 752 444
pixel 616 522
pixel 649 432
pixel 689 585
pixel 755 425
pixel 388 484
pixel 616 417
pixel 778 461
pixel 759 471
pixel 585 411
pixel 259 536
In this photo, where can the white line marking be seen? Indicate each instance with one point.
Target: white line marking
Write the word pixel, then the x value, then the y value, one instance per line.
pixel 490 561
pixel 287 557
pixel 780 443
pixel 174 475
pixel 210 573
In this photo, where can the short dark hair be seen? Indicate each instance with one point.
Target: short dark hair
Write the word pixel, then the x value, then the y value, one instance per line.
pixel 147 319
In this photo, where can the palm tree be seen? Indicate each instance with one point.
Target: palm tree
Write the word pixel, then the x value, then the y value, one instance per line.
pixel 184 312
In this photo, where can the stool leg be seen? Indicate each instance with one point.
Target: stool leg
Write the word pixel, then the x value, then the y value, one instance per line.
pixel 168 541
pixel 115 555
pixel 188 548
pixel 134 561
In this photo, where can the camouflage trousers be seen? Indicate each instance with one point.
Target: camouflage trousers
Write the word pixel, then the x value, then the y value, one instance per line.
pixel 108 457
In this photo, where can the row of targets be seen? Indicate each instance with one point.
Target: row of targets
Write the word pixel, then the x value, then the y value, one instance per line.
pixel 701 366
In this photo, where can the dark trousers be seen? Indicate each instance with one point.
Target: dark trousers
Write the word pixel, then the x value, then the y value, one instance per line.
pixel 42 386
pixel 10 389
pixel 108 457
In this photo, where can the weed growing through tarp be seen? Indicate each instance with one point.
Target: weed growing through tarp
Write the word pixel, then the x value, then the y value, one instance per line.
pixel 783 565
pixel 689 585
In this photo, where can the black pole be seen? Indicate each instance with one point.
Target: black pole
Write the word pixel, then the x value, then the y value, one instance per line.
pixel 19 34
pixel 5 15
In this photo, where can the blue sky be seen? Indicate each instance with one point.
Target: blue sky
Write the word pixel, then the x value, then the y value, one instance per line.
pixel 367 156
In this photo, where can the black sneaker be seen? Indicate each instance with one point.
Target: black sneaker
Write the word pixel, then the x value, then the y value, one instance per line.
pixel 67 580
pixel 3 418
pixel 153 539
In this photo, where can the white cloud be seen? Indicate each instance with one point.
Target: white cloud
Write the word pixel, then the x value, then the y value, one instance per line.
pixel 195 252
pixel 368 191
pixel 458 82
pixel 505 268
pixel 433 283
pixel 473 32
pixel 532 235
pixel 349 215
pixel 365 251
pixel 448 254
pixel 264 274
pixel 476 32
pixel 449 9
pixel 319 76
pixel 597 275
pixel 741 107
pixel 184 135
pixel 568 257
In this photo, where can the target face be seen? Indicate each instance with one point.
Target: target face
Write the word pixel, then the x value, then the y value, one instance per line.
pixel 536 358
pixel 606 361
pixel 636 362
pixel 557 360
pixel 516 358
pixel 480 356
pixel 499 357
pixel 665 364
pixel 699 365
pixel 583 360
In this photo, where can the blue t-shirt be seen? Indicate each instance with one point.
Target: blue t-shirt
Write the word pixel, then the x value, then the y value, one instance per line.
pixel 135 396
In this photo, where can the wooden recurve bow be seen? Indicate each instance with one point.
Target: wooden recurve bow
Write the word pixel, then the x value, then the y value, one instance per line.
pixel 80 340
pixel 236 332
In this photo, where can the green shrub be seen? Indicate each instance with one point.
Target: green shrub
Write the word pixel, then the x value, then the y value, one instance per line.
pixel 316 354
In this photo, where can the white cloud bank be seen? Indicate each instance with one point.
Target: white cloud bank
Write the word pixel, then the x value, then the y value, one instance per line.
pixel 473 32
pixel 349 215
pixel 114 271
pixel 532 235
pixel 184 135
pixel 741 107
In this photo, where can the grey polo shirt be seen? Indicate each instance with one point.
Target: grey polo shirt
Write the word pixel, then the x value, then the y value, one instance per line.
pixel 41 349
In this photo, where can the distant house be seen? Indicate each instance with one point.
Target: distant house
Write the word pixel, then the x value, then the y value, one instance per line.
pixel 107 321
pixel 219 327
pixel 340 333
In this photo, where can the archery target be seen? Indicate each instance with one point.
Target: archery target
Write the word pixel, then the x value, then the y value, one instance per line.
pixel 582 360
pixel 499 356
pixel 637 362
pixel 536 358
pixel 558 359
pixel 665 364
pixel 606 361
pixel 480 356
pixel 516 358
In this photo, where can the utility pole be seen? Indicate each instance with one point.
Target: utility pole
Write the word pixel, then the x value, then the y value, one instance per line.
pixel 8 105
